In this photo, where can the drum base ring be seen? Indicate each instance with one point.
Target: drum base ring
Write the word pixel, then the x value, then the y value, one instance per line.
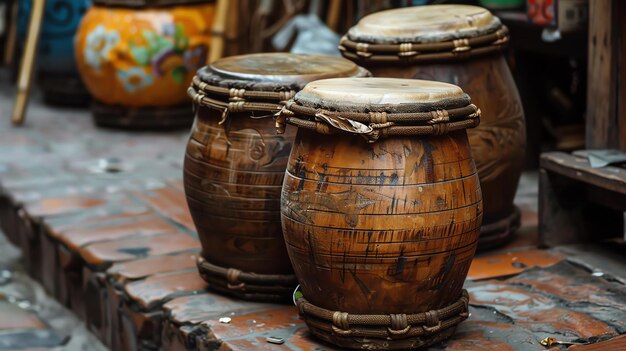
pixel 384 332
pixel 500 232
pixel 247 286
pixel 65 90
pixel 147 118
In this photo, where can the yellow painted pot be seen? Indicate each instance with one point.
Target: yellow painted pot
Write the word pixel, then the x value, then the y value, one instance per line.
pixel 142 57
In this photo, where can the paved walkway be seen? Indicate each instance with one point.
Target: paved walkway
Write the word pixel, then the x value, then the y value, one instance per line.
pixel 36 319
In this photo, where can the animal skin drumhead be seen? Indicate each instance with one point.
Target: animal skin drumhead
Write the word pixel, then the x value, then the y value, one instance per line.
pixel 425 24
pixel 283 67
pixel 379 91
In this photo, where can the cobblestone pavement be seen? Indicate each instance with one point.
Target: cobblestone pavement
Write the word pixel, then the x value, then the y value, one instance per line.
pixel 64 331
pixel 69 132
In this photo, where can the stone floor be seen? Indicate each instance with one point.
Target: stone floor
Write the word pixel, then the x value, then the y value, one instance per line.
pixel 61 327
pixel 40 321
pixel 520 294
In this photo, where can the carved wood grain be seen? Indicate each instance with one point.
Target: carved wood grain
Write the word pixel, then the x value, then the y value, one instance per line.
pixel 233 177
pixel 499 142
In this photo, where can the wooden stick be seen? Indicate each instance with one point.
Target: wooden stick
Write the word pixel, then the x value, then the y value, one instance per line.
pixel 11 39
pixel 217 38
pixel 334 12
pixel 232 31
pixel 28 61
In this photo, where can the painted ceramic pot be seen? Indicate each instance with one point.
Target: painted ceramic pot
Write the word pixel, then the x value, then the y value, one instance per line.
pixel 55 55
pixel 143 57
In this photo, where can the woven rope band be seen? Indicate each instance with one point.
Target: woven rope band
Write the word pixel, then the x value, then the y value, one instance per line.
pixel 231 93
pixel 236 100
pixel 375 125
pixel 419 52
pixel 237 281
pixel 394 326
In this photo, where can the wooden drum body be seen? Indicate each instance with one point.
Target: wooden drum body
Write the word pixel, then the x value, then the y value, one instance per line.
pixel 386 230
pixel 233 183
pixel 139 74
pixel 460 45
pixel 235 165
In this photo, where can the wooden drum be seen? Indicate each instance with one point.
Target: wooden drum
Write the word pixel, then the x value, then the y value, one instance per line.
pixel 137 58
pixel 462 45
pixel 381 209
pixel 235 165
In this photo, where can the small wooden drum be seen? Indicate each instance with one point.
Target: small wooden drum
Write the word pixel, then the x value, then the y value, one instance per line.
pixel 235 165
pixel 462 45
pixel 381 209
pixel 57 75
pixel 139 73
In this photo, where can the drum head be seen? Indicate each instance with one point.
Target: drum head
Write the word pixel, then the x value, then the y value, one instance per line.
pixel 380 94
pixel 423 24
pixel 276 70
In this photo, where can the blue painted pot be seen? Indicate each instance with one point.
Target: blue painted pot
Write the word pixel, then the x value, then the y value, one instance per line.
pixel 55 57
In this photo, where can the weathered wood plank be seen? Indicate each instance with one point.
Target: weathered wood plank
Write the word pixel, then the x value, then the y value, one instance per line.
pixel 610 178
pixel 602 73
pixel 621 52
pixel 606 76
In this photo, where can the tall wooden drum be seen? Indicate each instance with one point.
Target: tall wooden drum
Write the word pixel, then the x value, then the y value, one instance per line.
pixel 381 209
pixel 137 58
pixel 461 45
pixel 235 165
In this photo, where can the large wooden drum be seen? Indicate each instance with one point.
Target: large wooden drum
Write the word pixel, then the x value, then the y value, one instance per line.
pixel 235 165
pixel 381 209
pixel 462 45
pixel 137 58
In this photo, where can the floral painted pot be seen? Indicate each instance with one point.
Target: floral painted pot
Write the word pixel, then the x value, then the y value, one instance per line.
pixel 57 74
pixel 143 57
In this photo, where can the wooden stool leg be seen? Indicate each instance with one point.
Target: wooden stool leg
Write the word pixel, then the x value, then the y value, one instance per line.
pixel 559 219
pixel 569 211
pixel 11 38
pixel 28 61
